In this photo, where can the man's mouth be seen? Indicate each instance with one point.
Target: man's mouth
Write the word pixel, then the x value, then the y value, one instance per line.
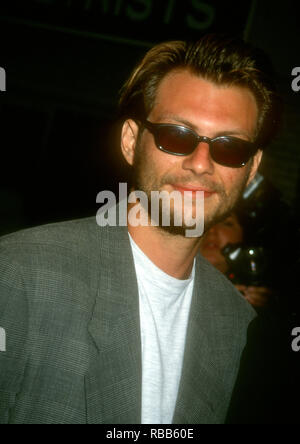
pixel 211 246
pixel 193 189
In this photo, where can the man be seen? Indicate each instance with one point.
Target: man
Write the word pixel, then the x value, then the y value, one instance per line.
pixel 231 231
pixel 228 231
pixel 125 325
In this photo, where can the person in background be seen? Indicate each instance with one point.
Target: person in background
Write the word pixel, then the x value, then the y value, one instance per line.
pixel 231 231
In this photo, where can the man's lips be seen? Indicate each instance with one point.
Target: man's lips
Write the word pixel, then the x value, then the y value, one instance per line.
pixel 193 189
pixel 211 246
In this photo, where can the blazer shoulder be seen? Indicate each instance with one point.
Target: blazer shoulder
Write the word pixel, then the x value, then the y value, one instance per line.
pixel 222 293
pixel 67 233
pixel 82 240
pixel 64 249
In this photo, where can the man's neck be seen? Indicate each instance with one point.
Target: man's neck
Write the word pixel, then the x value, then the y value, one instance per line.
pixel 173 254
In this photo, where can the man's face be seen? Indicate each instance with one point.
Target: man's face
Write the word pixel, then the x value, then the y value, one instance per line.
pixel 229 231
pixel 210 110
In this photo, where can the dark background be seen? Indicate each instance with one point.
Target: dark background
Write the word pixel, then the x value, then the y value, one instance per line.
pixel 65 62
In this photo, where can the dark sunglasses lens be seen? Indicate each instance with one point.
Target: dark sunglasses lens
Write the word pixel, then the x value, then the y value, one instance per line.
pixel 176 140
pixel 231 152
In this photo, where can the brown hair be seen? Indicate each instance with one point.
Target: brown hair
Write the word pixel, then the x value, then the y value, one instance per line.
pixel 218 58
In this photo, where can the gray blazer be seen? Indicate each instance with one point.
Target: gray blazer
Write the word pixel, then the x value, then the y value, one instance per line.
pixel 69 306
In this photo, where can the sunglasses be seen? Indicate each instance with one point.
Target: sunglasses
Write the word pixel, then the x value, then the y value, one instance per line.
pixel 179 140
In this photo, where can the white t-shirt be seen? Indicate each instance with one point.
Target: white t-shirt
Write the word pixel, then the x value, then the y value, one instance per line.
pixel 164 312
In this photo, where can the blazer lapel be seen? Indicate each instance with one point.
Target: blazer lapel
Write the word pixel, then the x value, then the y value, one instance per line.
pixel 205 386
pixel 113 385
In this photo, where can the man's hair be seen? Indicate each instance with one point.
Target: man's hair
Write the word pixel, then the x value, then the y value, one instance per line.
pixel 221 59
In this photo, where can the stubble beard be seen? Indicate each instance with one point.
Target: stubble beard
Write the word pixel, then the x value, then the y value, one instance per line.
pixel 144 179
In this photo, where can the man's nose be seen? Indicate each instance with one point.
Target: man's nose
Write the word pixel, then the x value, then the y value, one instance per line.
pixel 212 232
pixel 199 161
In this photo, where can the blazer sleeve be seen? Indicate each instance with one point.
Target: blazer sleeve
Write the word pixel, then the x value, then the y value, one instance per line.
pixel 13 331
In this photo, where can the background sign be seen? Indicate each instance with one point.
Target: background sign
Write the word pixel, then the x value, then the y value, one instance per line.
pixel 141 21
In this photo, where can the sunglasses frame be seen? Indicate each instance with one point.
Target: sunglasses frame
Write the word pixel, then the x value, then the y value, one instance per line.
pixel 154 127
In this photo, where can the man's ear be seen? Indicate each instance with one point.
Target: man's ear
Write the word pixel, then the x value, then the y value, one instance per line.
pixel 256 162
pixel 129 137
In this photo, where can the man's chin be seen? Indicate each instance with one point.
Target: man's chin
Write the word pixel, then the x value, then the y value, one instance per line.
pixel 174 230
pixel 192 230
